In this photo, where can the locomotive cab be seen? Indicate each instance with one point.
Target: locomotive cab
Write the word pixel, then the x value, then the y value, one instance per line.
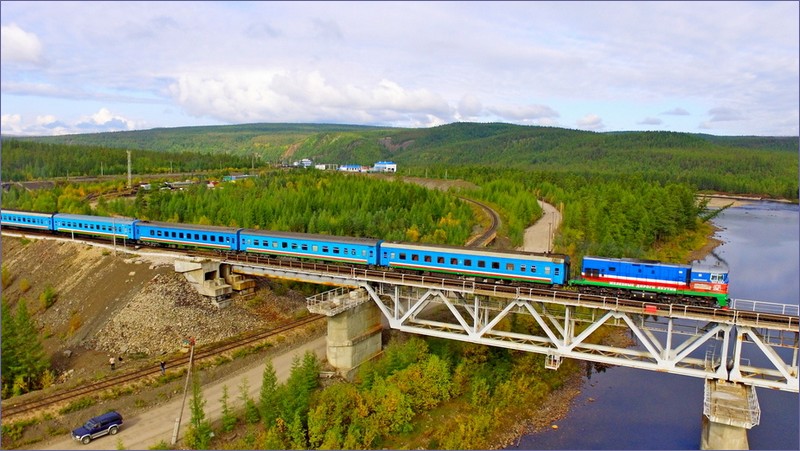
pixel 710 281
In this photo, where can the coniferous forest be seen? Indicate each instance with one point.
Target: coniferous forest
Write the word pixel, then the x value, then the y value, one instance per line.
pixel 629 194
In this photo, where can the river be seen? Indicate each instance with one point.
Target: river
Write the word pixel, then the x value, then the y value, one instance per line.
pixel 623 408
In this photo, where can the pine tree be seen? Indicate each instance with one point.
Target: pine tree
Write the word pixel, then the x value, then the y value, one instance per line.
pixel 30 361
pixel 199 434
pixel 268 399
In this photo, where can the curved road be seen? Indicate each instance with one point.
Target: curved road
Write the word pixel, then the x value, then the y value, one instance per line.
pixel 539 236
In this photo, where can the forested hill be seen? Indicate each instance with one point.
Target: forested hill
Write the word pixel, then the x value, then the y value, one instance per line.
pixel 707 161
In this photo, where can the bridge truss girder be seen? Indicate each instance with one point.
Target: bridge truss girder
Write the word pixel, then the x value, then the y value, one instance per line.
pixel 564 331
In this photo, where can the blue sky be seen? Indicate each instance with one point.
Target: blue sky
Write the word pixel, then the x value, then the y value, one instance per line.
pixel 724 68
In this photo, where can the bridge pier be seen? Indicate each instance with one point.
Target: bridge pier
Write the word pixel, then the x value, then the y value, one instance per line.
pixel 354 327
pixel 205 277
pixel 729 410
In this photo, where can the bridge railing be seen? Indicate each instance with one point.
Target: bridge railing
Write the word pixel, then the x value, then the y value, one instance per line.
pixel 766 307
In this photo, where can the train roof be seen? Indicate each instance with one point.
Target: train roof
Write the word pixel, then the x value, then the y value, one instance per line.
pixel 92 218
pixel 26 212
pixel 312 236
pixel 702 267
pixel 478 251
pixel 198 227
pixel 636 261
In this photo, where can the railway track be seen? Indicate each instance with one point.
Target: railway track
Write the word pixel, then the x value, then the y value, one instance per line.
pixel 96 389
pixel 489 234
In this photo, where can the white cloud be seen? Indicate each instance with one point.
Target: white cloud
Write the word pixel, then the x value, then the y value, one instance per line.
pixel 723 114
pixel 19 46
pixel 650 121
pixel 280 95
pixel 524 113
pixel 590 122
pixel 676 112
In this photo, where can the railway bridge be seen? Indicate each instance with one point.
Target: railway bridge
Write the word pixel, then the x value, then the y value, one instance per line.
pixel 754 344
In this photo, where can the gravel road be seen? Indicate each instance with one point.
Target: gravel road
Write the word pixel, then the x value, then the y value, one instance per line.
pixel 144 431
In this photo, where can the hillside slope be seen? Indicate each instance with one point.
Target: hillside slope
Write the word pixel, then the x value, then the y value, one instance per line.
pixel 124 305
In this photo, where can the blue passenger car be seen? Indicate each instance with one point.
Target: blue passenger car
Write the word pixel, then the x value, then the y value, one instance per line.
pixel 303 245
pixel 514 265
pixel 94 225
pixel 212 237
pixel 26 219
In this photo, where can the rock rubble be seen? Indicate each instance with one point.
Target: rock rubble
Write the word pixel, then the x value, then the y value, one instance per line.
pixel 167 311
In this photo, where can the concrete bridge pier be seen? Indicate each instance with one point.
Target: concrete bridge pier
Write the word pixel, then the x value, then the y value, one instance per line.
pixel 354 327
pixel 729 410
pixel 204 275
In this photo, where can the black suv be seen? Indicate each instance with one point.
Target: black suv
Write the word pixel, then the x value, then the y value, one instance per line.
pixel 107 423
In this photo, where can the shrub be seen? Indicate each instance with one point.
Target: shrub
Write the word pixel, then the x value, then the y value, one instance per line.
pixel 48 297
pixel 24 285
pixel 7 277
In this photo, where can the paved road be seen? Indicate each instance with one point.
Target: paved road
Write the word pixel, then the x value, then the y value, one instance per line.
pixel 145 430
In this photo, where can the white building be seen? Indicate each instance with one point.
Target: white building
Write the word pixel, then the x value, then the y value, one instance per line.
pixel 385 166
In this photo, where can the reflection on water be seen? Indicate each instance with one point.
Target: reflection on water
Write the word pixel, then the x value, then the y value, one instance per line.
pixel 622 408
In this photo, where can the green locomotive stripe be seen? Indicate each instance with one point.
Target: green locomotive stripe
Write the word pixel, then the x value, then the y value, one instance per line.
pixel 722 298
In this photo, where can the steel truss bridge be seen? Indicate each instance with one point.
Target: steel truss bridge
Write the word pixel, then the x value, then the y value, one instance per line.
pixel 701 342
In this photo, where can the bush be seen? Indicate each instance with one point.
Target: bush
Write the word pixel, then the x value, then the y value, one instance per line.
pixel 24 285
pixel 7 277
pixel 48 297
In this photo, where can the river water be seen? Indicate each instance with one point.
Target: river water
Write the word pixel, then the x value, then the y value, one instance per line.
pixel 623 408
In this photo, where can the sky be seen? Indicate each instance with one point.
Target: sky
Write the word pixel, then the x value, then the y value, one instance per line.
pixel 722 68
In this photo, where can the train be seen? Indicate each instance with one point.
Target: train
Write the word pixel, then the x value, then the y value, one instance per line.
pixel 620 277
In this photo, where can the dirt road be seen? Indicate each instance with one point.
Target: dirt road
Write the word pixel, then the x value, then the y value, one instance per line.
pixel 144 431
pixel 539 236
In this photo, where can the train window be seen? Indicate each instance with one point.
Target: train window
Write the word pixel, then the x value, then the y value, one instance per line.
pixel 468 262
pixel 196 236
pixel 440 260
pixel 352 252
pixel 427 258
pixel 495 265
pixel 256 243
pixel 325 249
pixel 294 246
pixel 173 235
pixel 274 244
pixel 555 271
pixel 158 233
pixel 533 269
pixel 335 250
pixel 180 235
pixel 151 232
pixel 612 269
pixel 415 258
pixel 522 268
pixel 315 248
pixel 481 264
pixel 304 247
pixel 547 270
pixel 454 261
pixel 205 237
pixel 509 266
pixel 402 255
pixel 284 244
pixel 213 238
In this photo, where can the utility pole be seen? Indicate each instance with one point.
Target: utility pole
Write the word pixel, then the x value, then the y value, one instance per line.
pixel 129 169
pixel 185 389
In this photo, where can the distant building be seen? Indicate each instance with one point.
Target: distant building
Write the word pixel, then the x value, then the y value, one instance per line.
pixel 305 163
pixel 350 168
pixel 385 166
pixel 233 178
pixel 326 167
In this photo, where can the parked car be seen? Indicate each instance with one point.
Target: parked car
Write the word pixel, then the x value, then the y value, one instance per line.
pixel 107 423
